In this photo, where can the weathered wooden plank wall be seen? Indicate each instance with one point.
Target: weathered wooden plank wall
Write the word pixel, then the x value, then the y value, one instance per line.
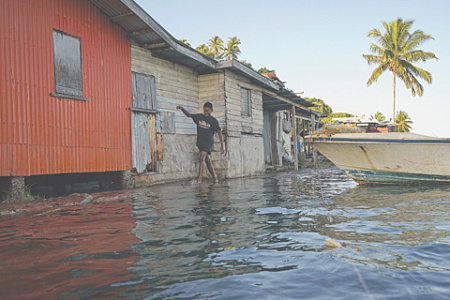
pixel 212 89
pixel 175 85
pixel 236 123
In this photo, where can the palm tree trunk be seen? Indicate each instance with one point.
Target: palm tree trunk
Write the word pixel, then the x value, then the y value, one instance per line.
pixel 393 99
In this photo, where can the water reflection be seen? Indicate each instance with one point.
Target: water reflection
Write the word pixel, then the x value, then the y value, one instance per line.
pixel 70 253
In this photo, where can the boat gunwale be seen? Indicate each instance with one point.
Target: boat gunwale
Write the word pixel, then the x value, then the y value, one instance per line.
pixel 389 177
pixel 367 140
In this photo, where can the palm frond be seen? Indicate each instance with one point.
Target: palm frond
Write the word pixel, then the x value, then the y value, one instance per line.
pixel 377 49
pixel 416 39
pixel 376 74
pixel 417 55
pixel 373 59
pixel 416 71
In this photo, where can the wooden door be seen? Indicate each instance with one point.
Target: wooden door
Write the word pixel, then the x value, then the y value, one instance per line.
pixel 142 113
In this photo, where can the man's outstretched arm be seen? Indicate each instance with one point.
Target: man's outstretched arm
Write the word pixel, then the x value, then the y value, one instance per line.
pixel 186 113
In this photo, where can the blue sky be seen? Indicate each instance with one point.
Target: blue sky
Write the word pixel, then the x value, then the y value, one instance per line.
pixel 317 46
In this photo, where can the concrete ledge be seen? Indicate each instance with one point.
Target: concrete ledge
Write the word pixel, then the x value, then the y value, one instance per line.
pixel 148 179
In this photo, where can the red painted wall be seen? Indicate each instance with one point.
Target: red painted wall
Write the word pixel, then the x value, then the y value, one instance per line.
pixel 41 134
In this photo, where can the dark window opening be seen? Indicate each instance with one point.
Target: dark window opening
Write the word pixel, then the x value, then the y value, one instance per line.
pixel 246 102
pixel 67 66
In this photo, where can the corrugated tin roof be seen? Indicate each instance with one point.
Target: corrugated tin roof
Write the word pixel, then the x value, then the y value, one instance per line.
pixel 245 71
pixel 145 32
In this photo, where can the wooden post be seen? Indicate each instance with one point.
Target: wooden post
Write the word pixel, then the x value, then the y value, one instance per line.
pixel 313 118
pixel 294 126
pixel 273 139
pixel 305 131
pixel 308 148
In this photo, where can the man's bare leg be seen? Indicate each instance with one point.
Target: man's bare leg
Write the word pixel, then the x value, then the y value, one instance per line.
pixel 201 164
pixel 211 168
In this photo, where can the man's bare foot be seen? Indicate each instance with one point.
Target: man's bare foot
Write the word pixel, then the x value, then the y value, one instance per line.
pixel 216 181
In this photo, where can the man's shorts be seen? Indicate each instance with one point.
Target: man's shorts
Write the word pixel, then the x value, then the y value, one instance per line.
pixel 205 149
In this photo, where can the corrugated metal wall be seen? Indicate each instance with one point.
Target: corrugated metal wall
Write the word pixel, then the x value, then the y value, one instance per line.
pixel 40 134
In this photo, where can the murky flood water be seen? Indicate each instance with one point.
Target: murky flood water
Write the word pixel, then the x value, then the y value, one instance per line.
pixel 252 238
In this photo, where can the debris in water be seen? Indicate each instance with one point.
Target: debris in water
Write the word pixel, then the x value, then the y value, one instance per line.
pixel 332 243
pixel 47 212
pixel 330 218
pixel 88 200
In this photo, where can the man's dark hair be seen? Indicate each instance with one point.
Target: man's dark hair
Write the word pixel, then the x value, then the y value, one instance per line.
pixel 209 105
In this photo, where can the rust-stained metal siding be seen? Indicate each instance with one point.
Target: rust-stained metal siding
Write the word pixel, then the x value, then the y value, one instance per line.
pixel 41 134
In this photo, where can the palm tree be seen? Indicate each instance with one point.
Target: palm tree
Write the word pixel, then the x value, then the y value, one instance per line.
pixel 396 53
pixel 379 117
pixel 232 49
pixel 205 50
pixel 403 122
pixel 216 46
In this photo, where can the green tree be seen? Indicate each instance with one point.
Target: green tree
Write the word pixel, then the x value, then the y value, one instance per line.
pixel 232 49
pixel 379 117
pixel 321 107
pixel 341 115
pixel 216 46
pixel 396 53
pixel 185 42
pixel 265 71
pixel 403 122
pixel 332 115
pixel 205 50
pixel 246 63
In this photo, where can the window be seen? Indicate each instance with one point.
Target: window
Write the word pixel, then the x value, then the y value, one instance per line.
pixel 144 92
pixel 67 62
pixel 246 102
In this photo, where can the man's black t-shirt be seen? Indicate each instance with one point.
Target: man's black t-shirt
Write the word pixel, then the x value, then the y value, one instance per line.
pixel 206 126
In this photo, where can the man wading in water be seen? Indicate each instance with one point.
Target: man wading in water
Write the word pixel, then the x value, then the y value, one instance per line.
pixel 206 126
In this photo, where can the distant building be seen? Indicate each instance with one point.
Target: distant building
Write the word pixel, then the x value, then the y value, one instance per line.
pixel 366 125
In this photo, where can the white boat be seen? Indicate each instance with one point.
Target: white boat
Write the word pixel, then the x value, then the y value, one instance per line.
pixel 388 158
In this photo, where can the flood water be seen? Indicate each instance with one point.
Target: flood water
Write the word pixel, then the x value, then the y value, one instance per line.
pixel 251 238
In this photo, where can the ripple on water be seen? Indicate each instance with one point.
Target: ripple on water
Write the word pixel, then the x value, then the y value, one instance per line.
pixel 248 238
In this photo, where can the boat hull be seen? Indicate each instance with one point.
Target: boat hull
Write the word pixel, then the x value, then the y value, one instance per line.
pixel 388 158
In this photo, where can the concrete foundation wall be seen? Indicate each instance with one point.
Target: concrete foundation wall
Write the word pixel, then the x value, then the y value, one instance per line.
pixel 245 156
pixel 180 161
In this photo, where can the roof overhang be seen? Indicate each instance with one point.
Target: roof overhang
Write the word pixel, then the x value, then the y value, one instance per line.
pixel 284 100
pixel 145 32
pixel 275 96
pixel 247 72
